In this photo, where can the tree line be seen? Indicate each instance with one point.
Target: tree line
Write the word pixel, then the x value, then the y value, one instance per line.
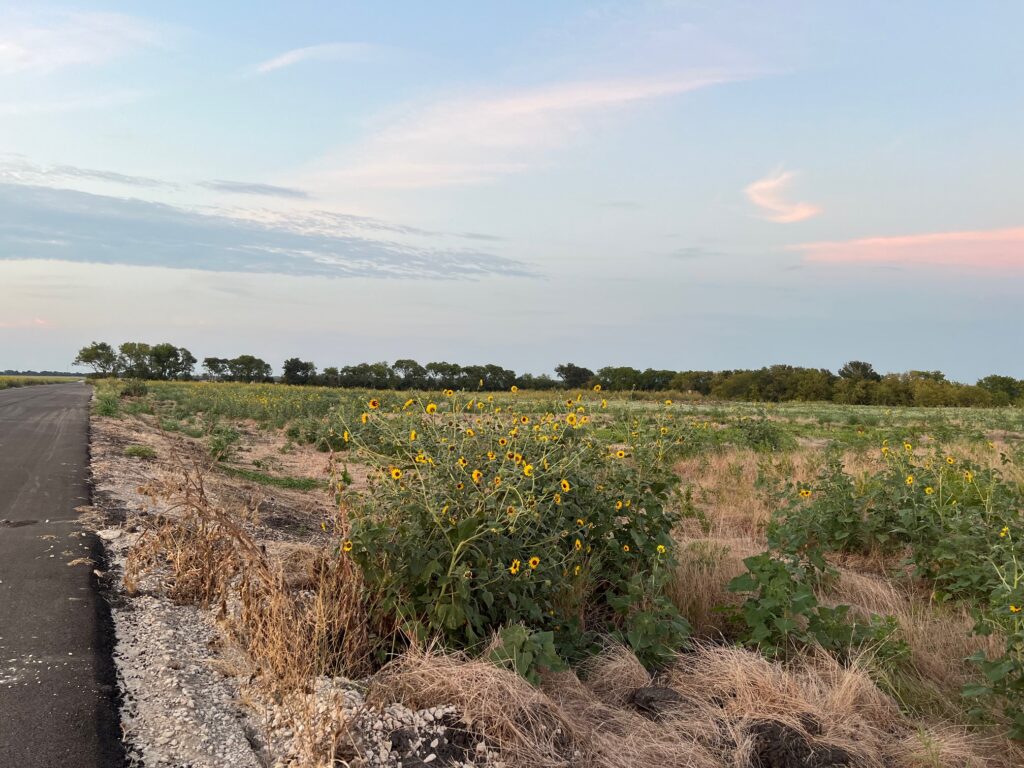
pixel 857 382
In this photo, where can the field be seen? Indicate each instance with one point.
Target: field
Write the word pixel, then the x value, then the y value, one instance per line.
pixel 582 579
pixel 9 382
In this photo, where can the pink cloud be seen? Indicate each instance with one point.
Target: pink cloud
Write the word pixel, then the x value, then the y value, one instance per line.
pixel 769 194
pixel 991 249
pixel 32 322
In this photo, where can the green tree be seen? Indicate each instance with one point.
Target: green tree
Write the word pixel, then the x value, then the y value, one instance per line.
pixel 134 360
pixel 858 370
pixel 298 371
pixel 99 356
pixel 573 376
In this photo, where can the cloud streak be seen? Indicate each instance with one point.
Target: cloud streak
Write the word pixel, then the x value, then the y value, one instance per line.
pixel 323 52
pixel 769 194
pixel 67 225
pixel 252 188
pixel 992 249
pixel 478 139
pixel 17 169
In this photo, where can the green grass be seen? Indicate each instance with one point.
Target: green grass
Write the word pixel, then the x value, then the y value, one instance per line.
pixel 278 481
pixel 140 452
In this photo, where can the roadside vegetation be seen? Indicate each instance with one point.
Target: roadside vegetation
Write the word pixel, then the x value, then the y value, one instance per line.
pixel 602 578
pixel 10 382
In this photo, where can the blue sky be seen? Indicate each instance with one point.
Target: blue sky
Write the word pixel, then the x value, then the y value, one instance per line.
pixel 668 184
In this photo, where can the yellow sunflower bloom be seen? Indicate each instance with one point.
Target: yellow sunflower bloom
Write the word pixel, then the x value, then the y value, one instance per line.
pixel 534 562
pixel 431 408
pixel 514 568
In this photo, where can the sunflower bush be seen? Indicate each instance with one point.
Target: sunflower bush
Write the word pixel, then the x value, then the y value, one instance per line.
pixel 482 516
pixel 958 526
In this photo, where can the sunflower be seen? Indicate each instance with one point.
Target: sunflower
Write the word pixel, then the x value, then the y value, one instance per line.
pixel 950 460
pixel 1004 533
pixel 528 470
pixel 668 402
pixel 578 545
pixel 580 521
pixel 604 403
pixel 514 568
pixel 557 498
pixel 1014 609
pixel 534 562
pixel 576 571
pixel 514 389
pixel 661 549
pixel 374 404
pixel 407 403
pixel 565 485
pixel 571 419
pixel 477 475
pixel 908 447
pixel 597 387
pixel 625 547
pixel 491 455
pixel 805 493
pixel 364 417
pixel 396 473
pixel 497 481
pixel 502 441
pixel 470 432
pixel 460 485
pixel 345 436
pixel 969 476
pixel 412 435
pixel 517 458
pixel 431 408
pixel 346 546
pixel 463 462
pixel 620 454
pixel 449 393
pixel 909 480
pixel 929 490
pixel 618 505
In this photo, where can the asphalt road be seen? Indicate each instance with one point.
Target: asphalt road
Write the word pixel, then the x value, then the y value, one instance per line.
pixel 57 679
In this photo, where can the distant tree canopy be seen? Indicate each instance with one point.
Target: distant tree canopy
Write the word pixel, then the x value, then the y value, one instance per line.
pixel 137 360
pixel 857 382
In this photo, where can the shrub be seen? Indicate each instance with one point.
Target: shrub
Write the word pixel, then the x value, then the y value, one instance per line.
pixel 134 388
pixel 140 452
pixel 481 518
pixel 223 442
pixel 107 404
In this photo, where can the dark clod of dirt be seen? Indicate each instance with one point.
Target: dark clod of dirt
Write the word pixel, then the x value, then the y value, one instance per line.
pixel 777 745
pixel 451 745
pixel 654 701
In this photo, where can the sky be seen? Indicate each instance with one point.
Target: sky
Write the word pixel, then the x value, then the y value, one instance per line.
pixel 681 185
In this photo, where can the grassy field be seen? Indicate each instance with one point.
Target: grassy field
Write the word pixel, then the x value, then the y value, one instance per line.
pixel 9 382
pixel 850 576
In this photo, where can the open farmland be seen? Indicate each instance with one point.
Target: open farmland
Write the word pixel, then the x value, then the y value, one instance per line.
pixel 578 578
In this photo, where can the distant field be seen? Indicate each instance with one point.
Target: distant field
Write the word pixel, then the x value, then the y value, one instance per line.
pixel 8 382
pixel 854 547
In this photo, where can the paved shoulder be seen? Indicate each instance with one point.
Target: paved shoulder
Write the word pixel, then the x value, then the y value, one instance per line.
pixel 57 686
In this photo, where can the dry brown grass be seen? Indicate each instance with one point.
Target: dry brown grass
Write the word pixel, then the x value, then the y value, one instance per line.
pixel 728 700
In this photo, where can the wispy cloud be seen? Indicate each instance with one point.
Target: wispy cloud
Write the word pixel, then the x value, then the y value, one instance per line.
pixel 68 225
pixel 478 139
pixel 769 194
pixel 985 249
pixel 17 169
pixel 323 52
pixel 252 188
pixel 44 41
